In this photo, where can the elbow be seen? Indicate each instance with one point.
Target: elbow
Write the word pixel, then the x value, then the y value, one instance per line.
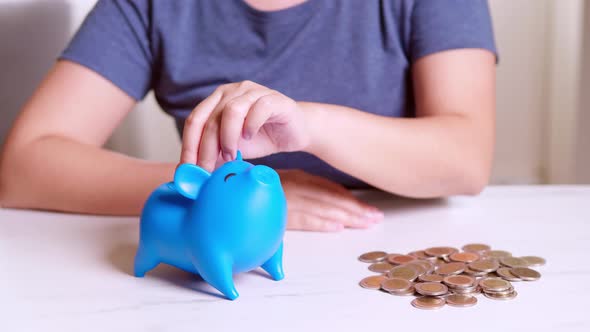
pixel 473 178
pixel 7 178
pixel 474 185
pixel 3 181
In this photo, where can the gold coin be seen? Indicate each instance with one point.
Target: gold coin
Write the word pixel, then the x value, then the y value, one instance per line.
pixel 438 262
pixel 373 256
pixel 440 251
pixel 430 278
pixel 431 288
pixel 465 257
pixel 381 267
pixel 451 268
pixel 403 272
pixel 410 291
pixel 497 254
pixel 494 284
pixel 476 247
pixel 460 281
pixel 460 300
pixel 475 289
pixel 372 282
pixel 525 273
pixel 419 268
pixel 390 256
pixel 534 261
pixel 509 296
pixel 428 265
pixel 395 285
pixel 485 265
pixel 420 254
pixel 504 273
pixel 401 259
pixel 474 273
pixel 502 292
pixel 513 262
pixel 428 302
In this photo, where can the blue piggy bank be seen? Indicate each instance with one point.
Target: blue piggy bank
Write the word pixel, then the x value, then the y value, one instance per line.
pixel 215 225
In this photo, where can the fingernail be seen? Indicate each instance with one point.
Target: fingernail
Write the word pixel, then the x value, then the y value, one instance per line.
pixel 227 156
pixel 373 214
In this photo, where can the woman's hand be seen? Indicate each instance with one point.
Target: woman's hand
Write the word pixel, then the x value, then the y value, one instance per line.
pixel 259 120
pixel 318 204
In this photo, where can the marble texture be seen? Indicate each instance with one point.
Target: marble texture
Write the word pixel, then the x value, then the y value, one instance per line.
pixel 64 272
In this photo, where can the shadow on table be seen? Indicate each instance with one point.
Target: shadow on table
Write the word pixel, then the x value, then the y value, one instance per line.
pixel 122 256
pixel 393 204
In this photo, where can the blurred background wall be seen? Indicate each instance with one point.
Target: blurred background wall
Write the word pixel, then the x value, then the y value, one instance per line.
pixel 543 128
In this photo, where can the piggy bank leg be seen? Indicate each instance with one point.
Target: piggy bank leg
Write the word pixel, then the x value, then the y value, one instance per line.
pixel 274 266
pixel 145 261
pixel 218 273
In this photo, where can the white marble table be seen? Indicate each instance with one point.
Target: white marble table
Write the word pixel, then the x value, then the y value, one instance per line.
pixel 63 272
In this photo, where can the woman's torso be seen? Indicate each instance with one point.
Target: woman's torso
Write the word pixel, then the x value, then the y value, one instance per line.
pixel 350 53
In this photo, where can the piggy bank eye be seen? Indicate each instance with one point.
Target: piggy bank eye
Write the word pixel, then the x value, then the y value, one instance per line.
pixel 228 176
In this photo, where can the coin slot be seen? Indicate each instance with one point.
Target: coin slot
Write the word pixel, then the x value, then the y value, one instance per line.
pixel 229 176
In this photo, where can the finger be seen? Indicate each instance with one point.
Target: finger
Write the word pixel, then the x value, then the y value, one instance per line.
pixel 232 121
pixel 193 127
pixel 333 193
pixel 260 112
pixel 307 222
pixel 334 213
pixel 209 146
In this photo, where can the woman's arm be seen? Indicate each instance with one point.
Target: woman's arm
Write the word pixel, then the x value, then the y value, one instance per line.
pixel 446 150
pixel 52 158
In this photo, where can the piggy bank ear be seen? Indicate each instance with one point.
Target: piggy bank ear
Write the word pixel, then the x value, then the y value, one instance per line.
pixel 188 180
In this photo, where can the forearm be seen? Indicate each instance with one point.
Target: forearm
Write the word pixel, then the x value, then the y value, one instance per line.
pixel 419 157
pixel 54 173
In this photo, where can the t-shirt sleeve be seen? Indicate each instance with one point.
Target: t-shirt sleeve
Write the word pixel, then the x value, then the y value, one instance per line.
pixel 440 25
pixel 114 41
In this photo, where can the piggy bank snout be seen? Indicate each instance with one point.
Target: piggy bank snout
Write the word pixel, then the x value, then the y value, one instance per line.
pixel 264 175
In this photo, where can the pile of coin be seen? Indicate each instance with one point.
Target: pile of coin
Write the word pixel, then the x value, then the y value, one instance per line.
pixel 441 276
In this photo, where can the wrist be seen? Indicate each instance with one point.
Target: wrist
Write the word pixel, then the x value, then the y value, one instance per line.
pixel 313 116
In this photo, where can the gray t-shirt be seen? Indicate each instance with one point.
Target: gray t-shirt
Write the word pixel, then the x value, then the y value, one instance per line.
pixel 356 53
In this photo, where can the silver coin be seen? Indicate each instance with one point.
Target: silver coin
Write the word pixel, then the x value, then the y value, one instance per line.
pixel 407 292
pixel 428 302
pixel 431 288
pixel 430 278
pixel 485 265
pixel 395 285
pixel 494 284
pixel 373 256
pixel 501 297
pixel 513 262
pixel 534 261
pixel 524 273
pixel 380 267
pixel 459 300
pixel 504 273
pixel 451 268
pixel 476 248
